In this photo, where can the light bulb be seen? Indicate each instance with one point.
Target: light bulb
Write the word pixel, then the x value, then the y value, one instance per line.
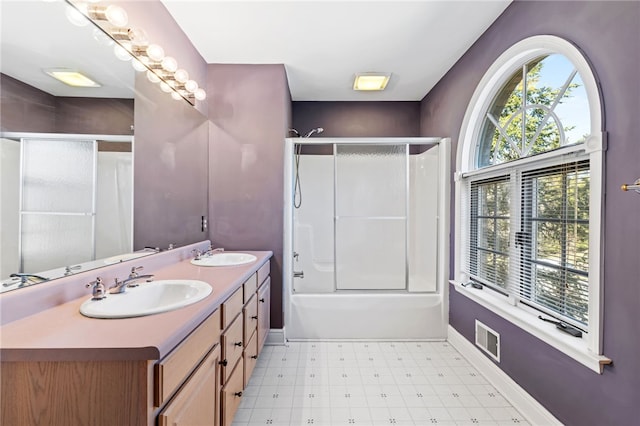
pixel 138 66
pixel 76 16
pixel 121 53
pixel 169 64
pixel 165 87
pixel 191 86
pixel 116 16
pixel 200 94
pixel 155 52
pixel 176 96
pixel 152 77
pixel 181 76
pixel 102 38
pixel 138 36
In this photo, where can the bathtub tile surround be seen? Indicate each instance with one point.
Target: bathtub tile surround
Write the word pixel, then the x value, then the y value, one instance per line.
pixel 370 383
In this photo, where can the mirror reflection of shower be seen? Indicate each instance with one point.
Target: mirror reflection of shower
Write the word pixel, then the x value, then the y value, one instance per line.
pixel 297 194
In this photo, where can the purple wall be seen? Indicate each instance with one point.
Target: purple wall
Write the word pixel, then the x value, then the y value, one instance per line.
pixel 250 111
pixel 609 35
pixel 170 169
pixel 358 119
pixel 23 108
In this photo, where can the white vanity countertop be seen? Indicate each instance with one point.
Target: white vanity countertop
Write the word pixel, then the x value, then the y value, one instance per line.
pixel 61 333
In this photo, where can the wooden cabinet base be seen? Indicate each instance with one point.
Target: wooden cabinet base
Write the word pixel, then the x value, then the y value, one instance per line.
pixel 84 393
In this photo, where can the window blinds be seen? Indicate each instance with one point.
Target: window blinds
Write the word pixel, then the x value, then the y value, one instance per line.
pixel 529 237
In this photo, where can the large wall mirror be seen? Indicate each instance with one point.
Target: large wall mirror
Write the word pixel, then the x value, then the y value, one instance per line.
pixel 70 165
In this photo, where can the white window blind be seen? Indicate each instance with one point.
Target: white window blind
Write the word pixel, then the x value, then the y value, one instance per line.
pixel 533 245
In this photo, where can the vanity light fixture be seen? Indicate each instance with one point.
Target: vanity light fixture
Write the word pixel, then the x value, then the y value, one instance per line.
pixel 368 81
pixel 132 42
pixel 71 78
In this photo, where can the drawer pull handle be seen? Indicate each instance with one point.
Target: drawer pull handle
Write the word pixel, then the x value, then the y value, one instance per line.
pixel 223 363
pixel 262 300
pixel 254 356
pixel 237 344
pixel 255 317
pixel 238 394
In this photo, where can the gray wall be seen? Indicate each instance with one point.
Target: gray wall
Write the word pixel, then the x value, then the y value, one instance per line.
pixel 609 35
pixel 249 110
pixel 358 119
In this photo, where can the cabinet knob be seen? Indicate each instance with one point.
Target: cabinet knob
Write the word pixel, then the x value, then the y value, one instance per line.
pixel 262 300
pixel 254 356
pixel 237 344
pixel 223 363
pixel 255 317
pixel 238 394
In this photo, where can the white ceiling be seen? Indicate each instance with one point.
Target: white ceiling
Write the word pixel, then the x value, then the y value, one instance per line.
pixel 324 43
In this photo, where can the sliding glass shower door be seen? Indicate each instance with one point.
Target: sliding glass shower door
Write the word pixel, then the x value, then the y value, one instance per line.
pixel 371 217
pixel 57 211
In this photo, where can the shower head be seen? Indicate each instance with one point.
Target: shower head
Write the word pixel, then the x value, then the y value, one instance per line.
pixel 317 130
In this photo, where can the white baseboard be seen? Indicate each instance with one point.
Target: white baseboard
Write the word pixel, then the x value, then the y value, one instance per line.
pixel 531 409
pixel 275 337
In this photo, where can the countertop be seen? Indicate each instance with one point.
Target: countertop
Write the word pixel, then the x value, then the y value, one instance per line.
pixel 61 333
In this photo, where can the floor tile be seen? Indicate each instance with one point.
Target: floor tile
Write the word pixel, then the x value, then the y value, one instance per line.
pixel 370 383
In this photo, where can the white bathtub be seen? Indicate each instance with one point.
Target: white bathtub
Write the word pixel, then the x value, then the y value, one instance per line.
pixel 368 316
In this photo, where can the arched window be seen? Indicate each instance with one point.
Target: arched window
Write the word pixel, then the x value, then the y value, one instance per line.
pixel 529 178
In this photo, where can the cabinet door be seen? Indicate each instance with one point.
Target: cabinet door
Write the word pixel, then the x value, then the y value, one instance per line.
pixel 250 312
pixel 197 403
pixel 231 394
pixel 264 303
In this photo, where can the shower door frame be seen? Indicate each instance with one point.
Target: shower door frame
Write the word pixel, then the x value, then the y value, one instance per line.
pixel 443 210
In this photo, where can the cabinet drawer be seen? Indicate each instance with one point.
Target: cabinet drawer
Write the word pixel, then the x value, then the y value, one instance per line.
pixel 232 347
pixel 171 371
pixel 250 287
pixel 264 272
pixel 197 402
pixel 250 312
pixel 264 303
pixel 250 358
pixel 231 307
pixel 232 394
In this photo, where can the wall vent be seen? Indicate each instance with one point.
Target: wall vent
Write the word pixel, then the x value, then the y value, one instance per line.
pixel 488 340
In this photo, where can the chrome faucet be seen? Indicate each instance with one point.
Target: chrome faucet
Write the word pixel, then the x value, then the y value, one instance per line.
pixel 132 281
pixel 98 291
pixel 25 278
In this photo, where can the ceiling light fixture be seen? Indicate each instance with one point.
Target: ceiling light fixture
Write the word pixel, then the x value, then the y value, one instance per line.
pixel 369 81
pixel 71 78
pixel 132 42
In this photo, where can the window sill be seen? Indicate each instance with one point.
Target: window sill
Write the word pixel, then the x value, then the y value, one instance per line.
pixel 573 347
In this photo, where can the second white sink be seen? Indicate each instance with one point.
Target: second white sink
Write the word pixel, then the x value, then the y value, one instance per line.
pixel 147 299
pixel 225 259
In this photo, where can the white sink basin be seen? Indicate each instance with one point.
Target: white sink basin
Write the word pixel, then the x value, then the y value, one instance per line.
pixel 225 259
pixel 126 256
pixel 147 299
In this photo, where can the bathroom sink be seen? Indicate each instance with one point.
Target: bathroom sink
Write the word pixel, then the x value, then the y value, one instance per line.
pixel 126 256
pixel 224 259
pixel 147 299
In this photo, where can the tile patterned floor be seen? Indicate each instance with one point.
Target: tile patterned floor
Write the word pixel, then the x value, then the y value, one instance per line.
pixel 370 383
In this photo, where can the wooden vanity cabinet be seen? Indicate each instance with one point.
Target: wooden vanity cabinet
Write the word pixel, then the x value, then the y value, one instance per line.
pixel 197 403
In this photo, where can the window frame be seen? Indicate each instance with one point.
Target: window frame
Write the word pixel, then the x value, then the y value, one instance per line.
pixel 588 349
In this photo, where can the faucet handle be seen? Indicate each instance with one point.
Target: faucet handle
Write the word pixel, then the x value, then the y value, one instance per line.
pixel 198 253
pixel 98 291
pixel 68 269
pixel 134 271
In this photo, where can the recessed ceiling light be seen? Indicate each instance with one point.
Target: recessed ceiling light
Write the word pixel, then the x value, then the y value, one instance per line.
pixel 371 81
pixel 72 78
